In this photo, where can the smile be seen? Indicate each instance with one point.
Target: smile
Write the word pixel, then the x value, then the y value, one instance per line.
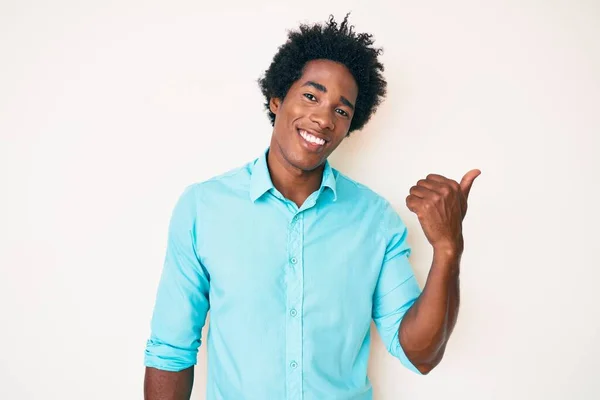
pixel 312 139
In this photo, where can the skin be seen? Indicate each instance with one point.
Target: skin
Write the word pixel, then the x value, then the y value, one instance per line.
pixel 167 385
pixel 441 205
pixel 321 101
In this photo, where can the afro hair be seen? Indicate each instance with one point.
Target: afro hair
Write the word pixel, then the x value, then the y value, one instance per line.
pixel 331 42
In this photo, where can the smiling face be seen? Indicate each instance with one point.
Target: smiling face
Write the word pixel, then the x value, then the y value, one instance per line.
pixel 315 115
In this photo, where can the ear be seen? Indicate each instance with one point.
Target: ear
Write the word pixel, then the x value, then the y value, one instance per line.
pixel 274 104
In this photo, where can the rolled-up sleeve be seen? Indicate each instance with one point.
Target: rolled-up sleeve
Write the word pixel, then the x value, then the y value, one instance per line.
pixel 182 301
pixel 397 289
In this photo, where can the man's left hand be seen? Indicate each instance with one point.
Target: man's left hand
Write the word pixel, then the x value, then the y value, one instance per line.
pixel 441 205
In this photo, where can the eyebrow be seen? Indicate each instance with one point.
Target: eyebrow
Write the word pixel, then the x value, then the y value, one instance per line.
pixel 323 89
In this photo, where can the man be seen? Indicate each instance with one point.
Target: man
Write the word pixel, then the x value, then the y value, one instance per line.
pixel 294 259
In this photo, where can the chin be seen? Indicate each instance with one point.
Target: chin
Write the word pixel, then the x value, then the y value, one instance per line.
pixel 307 163
pixel 300 156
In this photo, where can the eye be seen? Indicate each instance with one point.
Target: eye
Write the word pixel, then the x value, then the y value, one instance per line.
pixel 341 112
pixel 310 96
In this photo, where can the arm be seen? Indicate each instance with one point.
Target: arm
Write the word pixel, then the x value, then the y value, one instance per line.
pixel 426 327
pixel 397 288
pixel 167 385
pixel 180 309
pixel 441 205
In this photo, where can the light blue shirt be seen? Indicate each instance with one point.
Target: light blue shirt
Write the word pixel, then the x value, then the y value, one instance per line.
pixel 291 291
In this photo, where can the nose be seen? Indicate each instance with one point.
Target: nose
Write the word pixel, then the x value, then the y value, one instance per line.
pixel 324 118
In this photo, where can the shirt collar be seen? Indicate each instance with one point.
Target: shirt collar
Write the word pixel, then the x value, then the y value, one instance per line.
pixel 260 181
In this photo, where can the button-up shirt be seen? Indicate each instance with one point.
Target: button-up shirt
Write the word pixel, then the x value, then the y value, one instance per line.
pixel 291 290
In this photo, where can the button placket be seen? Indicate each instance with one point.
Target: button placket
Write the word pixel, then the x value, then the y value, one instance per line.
pixel 294 294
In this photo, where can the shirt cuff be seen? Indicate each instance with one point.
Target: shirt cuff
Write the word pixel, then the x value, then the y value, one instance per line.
pixel 398 352
pixel 167 358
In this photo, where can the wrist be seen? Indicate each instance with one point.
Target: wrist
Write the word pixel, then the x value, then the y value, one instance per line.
pixel 447 262
pixel 448 253
pixel 449 249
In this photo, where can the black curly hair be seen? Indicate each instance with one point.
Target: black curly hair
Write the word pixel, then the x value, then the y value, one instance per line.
pixel 332 42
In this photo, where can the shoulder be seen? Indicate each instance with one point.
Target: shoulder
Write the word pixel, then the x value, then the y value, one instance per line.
pixel 218 189
pixel 359 193
pixel 233 180
pixel 360 196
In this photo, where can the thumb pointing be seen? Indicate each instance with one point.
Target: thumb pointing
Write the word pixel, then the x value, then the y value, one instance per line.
pixel 467 181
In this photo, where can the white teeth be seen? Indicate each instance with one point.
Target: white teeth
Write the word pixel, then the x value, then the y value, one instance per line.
pixel 311 138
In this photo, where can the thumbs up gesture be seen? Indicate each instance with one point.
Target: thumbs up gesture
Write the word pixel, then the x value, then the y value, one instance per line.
pixel 441 205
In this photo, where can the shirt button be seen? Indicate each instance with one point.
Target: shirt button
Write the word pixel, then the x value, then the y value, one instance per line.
pixel 293 312
pixel 293 364
pixel 293 260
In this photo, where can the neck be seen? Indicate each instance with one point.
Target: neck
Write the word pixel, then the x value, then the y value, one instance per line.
pixel 293 183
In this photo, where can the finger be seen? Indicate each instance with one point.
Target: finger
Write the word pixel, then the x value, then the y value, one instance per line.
pixel 442 179
pixel 467 181
pixel 437 178
pixel 420 191
pixel 414 203
pixel 442 188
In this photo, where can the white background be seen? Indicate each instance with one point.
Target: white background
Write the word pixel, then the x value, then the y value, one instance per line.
pixel 109 109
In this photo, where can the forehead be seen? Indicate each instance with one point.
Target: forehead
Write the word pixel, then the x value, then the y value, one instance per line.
pixel 334 76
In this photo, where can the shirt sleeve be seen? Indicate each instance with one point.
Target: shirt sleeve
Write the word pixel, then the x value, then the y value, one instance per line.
pixel 396 289
pixel 182 302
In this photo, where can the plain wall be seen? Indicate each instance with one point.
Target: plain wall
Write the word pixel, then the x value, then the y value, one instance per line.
pixel 109 109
